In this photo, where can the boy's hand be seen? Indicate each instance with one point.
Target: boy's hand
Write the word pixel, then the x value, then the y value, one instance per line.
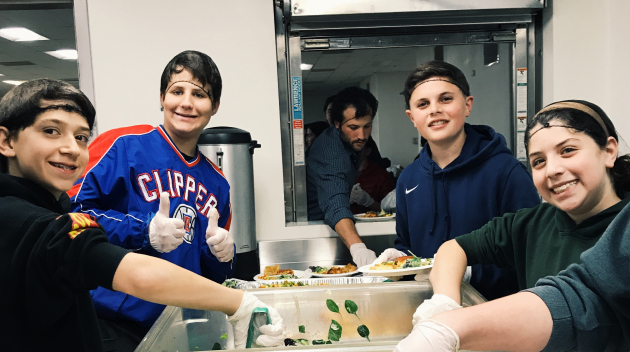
pixel 219 239
pixel 430 336
pixel 272 334
pixel 430 307
pixel 165 234
pixel 388 255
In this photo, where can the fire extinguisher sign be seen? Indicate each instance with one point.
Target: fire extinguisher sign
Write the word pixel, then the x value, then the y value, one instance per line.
pixel 298 124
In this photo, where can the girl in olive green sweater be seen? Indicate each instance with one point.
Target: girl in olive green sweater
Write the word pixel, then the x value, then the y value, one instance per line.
pixel 572 149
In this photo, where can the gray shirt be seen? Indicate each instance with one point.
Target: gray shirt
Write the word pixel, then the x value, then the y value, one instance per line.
pixel 590 302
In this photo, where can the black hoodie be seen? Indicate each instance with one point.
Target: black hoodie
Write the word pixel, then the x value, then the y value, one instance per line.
pixel 48 264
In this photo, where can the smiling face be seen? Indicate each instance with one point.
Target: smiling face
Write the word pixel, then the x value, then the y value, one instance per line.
pixel 52 152
pixel 187 108
pixel 438 109
pixel 355 131
pixel 570 170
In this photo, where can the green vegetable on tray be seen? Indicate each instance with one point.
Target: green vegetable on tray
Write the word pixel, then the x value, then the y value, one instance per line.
pixel 364 332
pixel 334 332
pixel 230 283
pixel 302 328
pixel 416 261
pixel 216 346
pixel 321 342
pixel 303 342
pixel 224 336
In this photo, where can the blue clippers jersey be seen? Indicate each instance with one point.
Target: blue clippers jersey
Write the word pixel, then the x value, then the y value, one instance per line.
pixel 122 190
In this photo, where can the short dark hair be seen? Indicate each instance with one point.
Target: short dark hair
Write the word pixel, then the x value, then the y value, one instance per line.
pixel 432 69
pixel 361 99
pixel 317 127
pixel 21 106
pixel 327 102
pixel 580 121
pixel 200 66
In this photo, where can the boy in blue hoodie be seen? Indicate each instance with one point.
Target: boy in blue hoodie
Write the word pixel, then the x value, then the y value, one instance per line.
pixel 463 177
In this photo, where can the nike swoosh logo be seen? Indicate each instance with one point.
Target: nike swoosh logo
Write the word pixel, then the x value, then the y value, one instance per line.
pixel 407 191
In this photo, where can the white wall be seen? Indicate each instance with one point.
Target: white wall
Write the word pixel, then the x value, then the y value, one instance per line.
pixel 394 131
pixel 585 55
pixel 490 86
pixel 132 41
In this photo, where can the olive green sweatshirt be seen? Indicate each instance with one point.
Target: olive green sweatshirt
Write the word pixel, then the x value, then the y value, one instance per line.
pixel 537 242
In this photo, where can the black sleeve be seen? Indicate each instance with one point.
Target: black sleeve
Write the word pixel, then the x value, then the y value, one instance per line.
pixel 71 256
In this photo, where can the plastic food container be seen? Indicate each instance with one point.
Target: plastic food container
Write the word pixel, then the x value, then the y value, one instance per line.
pixel 385 308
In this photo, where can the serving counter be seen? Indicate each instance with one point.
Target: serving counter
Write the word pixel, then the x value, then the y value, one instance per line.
pixel 386 308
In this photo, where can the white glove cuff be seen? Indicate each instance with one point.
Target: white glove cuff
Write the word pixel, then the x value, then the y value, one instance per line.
pixel 245 308
pixel 455 336
pixel 357 247
pixel 446 300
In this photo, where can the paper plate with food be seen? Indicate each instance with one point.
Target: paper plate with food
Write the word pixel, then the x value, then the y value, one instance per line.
pixel 375 216
pixel 407 265
pixel 333 271
pixel 273 272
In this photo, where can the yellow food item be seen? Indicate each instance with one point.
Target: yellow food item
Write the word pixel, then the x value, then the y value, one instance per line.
pixel 271 270
pixel 346 269
pixel 383 266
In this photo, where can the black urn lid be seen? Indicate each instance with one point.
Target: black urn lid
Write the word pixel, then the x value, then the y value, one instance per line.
pixel 224 135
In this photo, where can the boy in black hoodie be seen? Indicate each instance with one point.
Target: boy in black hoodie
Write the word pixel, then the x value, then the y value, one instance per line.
pixel 49 259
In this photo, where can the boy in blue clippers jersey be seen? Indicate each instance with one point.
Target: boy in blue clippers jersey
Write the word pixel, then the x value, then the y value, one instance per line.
pixel 50 259
pixel 154 192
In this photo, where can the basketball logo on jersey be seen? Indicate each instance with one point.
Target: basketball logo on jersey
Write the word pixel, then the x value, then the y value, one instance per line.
pixel 189 217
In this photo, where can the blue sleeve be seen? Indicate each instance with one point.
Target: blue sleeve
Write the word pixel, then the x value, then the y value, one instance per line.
pixel 402 242
pixel 519 191
pixel 588 302
pixel 211 267
pixel 332 186
pixel 104 194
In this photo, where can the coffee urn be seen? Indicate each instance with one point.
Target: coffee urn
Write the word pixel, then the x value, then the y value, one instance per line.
pixel 232 149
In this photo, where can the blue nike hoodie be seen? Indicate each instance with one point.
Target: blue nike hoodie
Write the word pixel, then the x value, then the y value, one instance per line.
pixel 434 205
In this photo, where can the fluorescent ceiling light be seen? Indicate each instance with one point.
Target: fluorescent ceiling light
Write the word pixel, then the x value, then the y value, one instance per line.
pixel 305 67
pixel 15 83
pixel 20 34
pixel 65 54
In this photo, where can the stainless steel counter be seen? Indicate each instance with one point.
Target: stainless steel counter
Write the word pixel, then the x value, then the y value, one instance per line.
pixel 300 254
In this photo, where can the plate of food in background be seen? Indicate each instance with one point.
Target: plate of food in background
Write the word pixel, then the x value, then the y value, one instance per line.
pixel 407 265
pixel 375 216
pixel 334 271
pixel 273 272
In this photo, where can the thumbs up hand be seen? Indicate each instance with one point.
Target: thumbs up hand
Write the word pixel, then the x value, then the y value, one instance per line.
pixel 165 234
pixel 219 239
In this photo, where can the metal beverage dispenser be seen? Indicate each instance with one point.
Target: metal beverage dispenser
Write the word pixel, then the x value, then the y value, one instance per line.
pixel 232 150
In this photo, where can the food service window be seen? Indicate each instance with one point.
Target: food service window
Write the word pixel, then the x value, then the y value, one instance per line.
pixel 323 47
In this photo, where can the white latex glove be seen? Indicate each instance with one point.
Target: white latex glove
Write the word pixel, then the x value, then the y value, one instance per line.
pixel 219 239
pixel 165 233
pixel 429 336
pixel 360 197
pixel 361 255
pixel 272 335
pixel 388 203
pixel 430 307
pixel 389 255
